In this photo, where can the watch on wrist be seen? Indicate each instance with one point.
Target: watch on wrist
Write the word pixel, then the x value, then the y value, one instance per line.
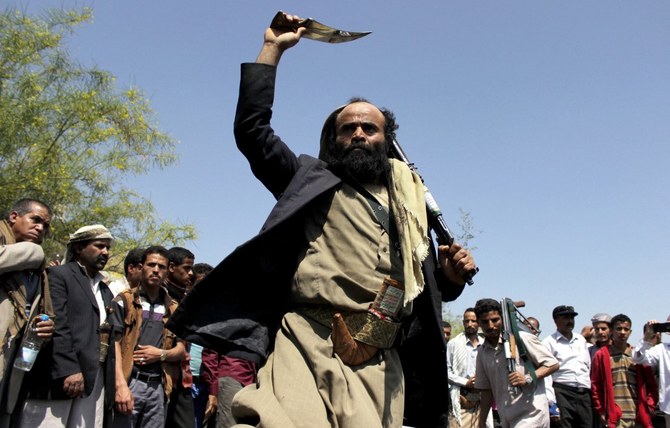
pixel 163 356
pixel 529 379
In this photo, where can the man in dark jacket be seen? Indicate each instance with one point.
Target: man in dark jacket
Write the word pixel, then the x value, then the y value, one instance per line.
pixel 81 299
pixel 342 271
pixel 178 282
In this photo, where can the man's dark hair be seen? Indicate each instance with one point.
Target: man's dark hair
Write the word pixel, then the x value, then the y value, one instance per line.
pixel 202 268
pixel 446 323
pixel 134 257
pixel 177 255
pixel 621 318
pixel 329 131
pixel 154 249
pixel 484 306
pixel 25 205
pixel 534 319
pixel 468 310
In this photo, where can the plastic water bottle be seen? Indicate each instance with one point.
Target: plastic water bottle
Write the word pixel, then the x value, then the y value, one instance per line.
pixel 30 347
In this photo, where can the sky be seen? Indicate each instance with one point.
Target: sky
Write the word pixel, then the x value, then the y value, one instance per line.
pixel 547 121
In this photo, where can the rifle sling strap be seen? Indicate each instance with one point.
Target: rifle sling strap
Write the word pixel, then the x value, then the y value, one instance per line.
pixel 381 213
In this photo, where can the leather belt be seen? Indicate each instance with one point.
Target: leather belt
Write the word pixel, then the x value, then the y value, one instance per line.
pixel 575 389
pixel 147 377
pixel 363 326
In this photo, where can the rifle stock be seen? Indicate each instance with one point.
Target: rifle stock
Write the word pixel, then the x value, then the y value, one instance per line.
pixel 509 341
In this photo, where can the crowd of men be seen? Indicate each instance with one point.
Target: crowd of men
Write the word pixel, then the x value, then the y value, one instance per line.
pixel 593 379
pixel 328 317
pixel 106 358
pixel 122 369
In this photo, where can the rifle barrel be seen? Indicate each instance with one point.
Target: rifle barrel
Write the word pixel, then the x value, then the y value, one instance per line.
pixel 436 221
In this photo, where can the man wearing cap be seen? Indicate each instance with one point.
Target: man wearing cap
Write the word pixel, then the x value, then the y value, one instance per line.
pixel 602 332
pixel 337 295
pixel 80 299
pixel 572 381
pixel 24 291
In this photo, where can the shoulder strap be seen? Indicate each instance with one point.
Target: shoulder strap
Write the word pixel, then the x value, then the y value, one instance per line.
pixel 381 213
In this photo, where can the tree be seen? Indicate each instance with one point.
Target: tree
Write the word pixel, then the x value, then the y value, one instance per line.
pixel 455 320
pixel 468 230
pixel 69 136
pixel 466 233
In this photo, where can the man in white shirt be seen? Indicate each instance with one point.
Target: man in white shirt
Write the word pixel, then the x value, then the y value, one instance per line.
pixel 572 381
pixel 652 352
pixel 461 363
pixel 132 268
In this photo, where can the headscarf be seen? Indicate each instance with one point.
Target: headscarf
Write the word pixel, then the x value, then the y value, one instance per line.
pixel 86 233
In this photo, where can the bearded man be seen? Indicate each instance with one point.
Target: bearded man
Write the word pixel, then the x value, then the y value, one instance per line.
pixel 338 296
pixel 462 361
pixel 79 370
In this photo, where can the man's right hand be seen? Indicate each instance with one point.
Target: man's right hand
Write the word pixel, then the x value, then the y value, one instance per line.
pixel 124 400
pixel 210 409
pixel 73 385
pixel 45 329
pixel 603 420
pixel 277 40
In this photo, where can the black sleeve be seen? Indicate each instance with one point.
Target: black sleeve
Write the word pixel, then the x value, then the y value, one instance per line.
pixel 65 361
pixel 115 318
pixel 271 160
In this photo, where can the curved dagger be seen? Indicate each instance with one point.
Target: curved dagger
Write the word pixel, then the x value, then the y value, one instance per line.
pixel 316 30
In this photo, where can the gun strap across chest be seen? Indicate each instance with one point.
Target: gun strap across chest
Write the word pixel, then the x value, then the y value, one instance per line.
pixel 384 217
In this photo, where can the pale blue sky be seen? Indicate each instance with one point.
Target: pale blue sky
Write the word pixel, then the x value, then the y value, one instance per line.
pixel 547 121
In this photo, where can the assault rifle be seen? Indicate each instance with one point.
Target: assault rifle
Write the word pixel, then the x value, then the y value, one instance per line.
pixel 435 219
pixel 513 322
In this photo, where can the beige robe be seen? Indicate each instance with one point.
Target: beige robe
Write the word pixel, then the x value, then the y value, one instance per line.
pixel 303 384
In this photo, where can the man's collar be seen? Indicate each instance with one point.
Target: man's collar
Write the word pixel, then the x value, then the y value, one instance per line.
pixel 175 291
pixel 613 350
pixel 557 335
pixel 167 281
pixel 480 338
pixel 497 346
pixel 97 277
pixel 142 292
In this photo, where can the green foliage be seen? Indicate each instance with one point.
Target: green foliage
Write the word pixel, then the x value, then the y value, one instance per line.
pixel 468 230
pixel 456 321
pixel 69 136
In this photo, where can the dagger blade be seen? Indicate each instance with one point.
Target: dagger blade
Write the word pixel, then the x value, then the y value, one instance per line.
pixel 316 30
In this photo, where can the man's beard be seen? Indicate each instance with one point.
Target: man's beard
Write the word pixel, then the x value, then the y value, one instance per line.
pixel 363 162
